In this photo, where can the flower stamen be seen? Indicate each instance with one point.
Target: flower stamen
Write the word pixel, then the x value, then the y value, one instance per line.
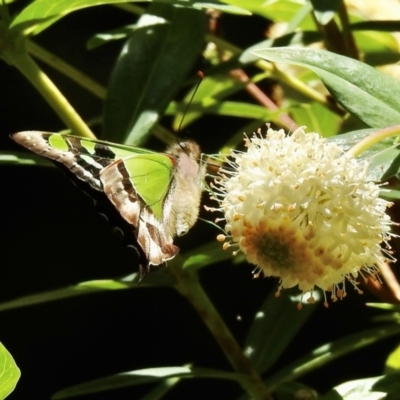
pixel 302 210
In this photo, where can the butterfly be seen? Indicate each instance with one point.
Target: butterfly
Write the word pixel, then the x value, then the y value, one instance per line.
pixel 157 193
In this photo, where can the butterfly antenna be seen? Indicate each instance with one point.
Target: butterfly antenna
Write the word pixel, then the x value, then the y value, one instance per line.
pixel 201 77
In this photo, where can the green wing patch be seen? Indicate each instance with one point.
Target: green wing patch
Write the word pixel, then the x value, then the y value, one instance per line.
pixel 151 176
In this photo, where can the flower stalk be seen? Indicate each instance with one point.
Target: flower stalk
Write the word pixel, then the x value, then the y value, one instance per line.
pixel 376 137
pixel 15 53
pixel 189 286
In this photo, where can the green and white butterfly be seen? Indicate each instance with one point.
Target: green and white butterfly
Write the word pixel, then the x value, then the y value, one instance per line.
pixel 158 193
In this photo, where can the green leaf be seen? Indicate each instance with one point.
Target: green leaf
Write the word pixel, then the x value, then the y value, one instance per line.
pixel 40 14
pixel 329 352
pixel 102 38
pixel 143 376
pixel 156 278
pixel 291 39
pixel 381 156
pixel 316 118
pixel 233 109
pixel 203 256
pixel 22 158
pixel 325 10
pixel 360 89
pixel 160 51
pixel 9 373
pixel 212 90
pixel 275 324
pixel 392 363
pixel 378 48
pixel 390 194
pixel 278 10
pixel 380 387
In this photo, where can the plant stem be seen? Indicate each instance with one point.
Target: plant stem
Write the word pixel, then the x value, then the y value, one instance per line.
pixel 43 84
pixel 66 69
pixel 189 286
pixel 374 138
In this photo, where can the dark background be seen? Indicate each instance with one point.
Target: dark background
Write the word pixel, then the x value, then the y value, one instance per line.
pixel 51 236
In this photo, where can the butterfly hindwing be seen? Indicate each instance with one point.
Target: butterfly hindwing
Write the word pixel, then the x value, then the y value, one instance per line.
pixel 158 193
pixel 137 186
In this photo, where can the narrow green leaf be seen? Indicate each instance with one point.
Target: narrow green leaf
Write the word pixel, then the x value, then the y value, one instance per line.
pixel 240 110
pixel 329 352
pixel 157 278
pixel 390 194
pixel 392 363
pixel 203 256
pixel 316 118
pixel 386 26
pixel 161 389
pixel 291 39
pixel 153 63
pixel 212 91
pixel 105 37
pixel 381 156
pixel 378 48
pixel 9 373
pixel 143 376
pixel 277 10
pixel 380 387
pixel 40 14
pixel 385 306
pixel 275 324
pixel 23 158
pixel 388 161
pixel 360 89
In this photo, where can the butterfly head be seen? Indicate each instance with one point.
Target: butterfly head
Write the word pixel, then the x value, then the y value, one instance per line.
pixel 188 147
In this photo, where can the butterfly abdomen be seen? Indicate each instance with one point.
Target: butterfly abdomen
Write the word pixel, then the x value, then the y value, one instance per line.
pixel 183 201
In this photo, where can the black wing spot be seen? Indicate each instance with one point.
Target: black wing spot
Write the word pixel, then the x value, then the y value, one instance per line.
pixel 104 151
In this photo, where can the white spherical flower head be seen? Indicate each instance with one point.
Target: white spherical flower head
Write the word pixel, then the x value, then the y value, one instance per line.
pixel 302 210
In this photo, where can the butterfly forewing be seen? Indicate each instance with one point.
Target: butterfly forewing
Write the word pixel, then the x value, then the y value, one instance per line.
pixel 159 194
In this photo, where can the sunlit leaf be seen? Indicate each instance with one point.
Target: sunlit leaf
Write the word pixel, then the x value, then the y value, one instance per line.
pixel 277 10
pixel 212 90
pixel 40 14
pixel 316 118
pixel 9 373
pixel 208 254
pixel 329 352
pixel 102 38
pixel 378 48
pixel 166 39
pixel 362 90
pixel 380 387
pixel 392 363
pixel 143 376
